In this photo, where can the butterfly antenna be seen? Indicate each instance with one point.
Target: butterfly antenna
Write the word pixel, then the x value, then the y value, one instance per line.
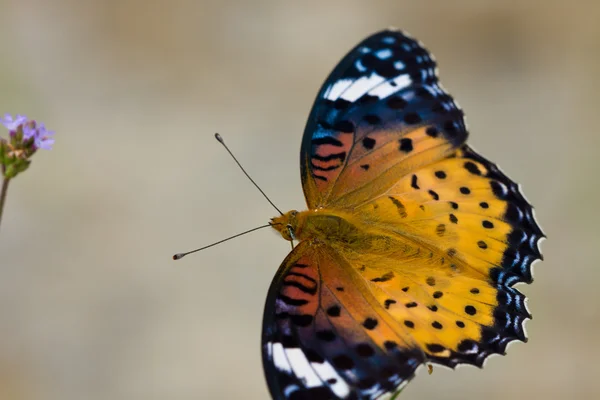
pixel 220 139
pixel 179 256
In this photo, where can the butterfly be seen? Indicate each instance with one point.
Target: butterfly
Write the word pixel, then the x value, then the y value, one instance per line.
pixel 411 244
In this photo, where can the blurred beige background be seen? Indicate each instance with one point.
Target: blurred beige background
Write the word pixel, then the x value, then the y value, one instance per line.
pixel 91 305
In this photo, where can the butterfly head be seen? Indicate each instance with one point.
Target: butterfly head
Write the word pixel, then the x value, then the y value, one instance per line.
pixel 286 224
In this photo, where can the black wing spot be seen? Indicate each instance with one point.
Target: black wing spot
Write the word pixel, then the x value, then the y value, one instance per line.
pixel 454 205
pixel 412 304
pixel 341 104
pixel 437 294
pixel 499 189
pixel 365 167
pixel 470 310
pixel 465 190
pixel 343 362
pixel 409 324
pixel 450 128
pixel 406 145
pixel 372 119
pixel 466 345
pixel 483 204
pixel 412 118
pixel 326 335
pixel 370 323
pixel 390 344
pixel 440 174
pixel 453 219
pixel 434 195
pixel 413 182
pixel 472 168
pixel 482 245
pixel 439 108
pixel 432 131
pixel 460 324
pixel 397 103
pixel 405 289
pixel 430 281
pixel 368 99
pixel 344 126
pixel 433 308
pixel 334 311
pixel 388 303
pixel 368 143
pixel 475 291
pixel 436 325
pixel 364 350
pixel 435 348
pixel 313 356
pixel 302 320
pixel 487 224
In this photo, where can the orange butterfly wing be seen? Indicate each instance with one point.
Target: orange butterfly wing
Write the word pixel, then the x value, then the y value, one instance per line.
pixel 323 339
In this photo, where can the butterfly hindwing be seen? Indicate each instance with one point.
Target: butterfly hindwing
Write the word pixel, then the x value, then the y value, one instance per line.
pixel 380 114
pixel 324 335
pixel 472 236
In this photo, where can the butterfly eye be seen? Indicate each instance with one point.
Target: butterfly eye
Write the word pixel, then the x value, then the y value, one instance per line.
pixel 291 231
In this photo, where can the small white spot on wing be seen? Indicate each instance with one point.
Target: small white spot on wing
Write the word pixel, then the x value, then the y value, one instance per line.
pixel 287 392
pixel 372 391
pixel 386 89
pixel 361 86
pixel 334 91
pixel 321 133
pixel 302 367
pixel 359 66
pixel 280 360
pixel 383 54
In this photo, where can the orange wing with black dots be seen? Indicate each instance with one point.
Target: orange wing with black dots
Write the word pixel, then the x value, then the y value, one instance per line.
pixel 436 237
pixel 473 237
pixel 326 337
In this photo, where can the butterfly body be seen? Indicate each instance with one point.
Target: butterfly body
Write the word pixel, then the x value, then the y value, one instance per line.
pixel 342 230
pixel 411 244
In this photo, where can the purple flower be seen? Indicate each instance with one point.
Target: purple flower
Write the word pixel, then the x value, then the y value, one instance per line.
pixel 29 131
pixel 12 124
pixel 33 133
pixel 42 139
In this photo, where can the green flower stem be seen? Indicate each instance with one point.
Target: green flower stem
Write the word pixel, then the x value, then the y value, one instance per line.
pixel 3 195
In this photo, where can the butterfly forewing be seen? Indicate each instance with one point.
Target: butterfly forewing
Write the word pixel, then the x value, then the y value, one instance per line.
pixel 380 114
